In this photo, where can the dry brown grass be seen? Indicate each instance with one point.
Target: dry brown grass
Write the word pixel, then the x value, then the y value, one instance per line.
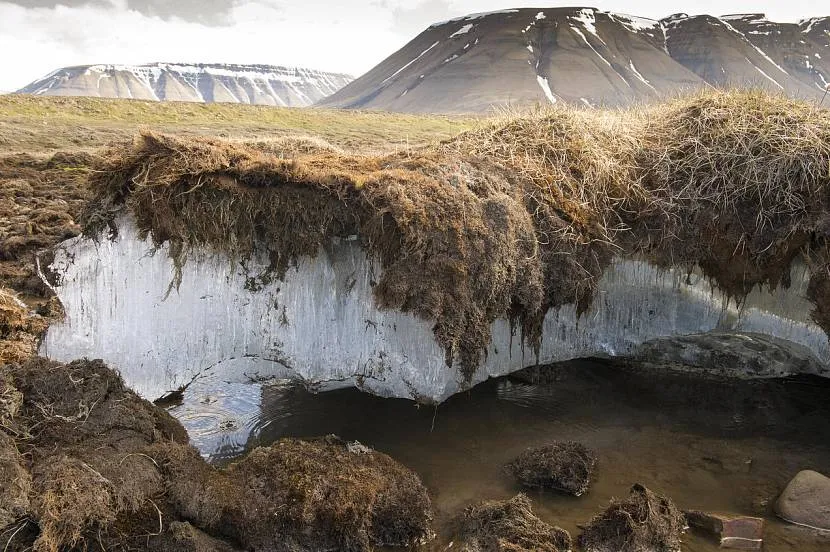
pixel 643 522
pixel 509 526
pixel 564 466
pixel 515 217
pixel 85 464
pixel 19 329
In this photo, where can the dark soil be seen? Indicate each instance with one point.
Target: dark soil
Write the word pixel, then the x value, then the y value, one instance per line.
pixel 85 464
pixel 643 522
pixel 563 466
pixel 509 526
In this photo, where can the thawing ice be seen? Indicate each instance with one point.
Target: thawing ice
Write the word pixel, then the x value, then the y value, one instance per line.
pixel 543 83
pixel 422 54
pixel 530 48
pixel 463 30
pixel 540 15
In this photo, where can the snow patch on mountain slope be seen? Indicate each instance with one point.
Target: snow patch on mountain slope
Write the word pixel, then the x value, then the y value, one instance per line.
pixel 242 83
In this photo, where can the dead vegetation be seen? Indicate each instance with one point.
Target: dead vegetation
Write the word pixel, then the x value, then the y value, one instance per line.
pixel 85 464
pixel 19 329
pixel 564 466
pixel 509 526
pixel 514 218
pixel 643 522
pixel 40 201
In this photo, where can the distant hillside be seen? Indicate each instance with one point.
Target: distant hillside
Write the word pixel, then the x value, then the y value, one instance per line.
pixel 246 84
pixel 587 56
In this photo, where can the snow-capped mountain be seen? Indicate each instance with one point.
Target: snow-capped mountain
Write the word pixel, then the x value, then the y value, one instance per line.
pixel 592 57
pixel 250 84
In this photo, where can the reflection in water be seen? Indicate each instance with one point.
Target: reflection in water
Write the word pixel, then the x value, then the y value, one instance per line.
pixel 713 445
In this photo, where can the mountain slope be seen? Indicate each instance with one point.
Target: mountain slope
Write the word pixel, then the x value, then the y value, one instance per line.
pixel 248 84
pixel 583 55
pixel 749 50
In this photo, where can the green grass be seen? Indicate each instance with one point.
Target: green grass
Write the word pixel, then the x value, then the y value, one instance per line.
pixel 47 124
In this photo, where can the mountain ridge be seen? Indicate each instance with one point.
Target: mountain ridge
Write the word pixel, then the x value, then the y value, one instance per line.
pixel 585 55
pixel 196 82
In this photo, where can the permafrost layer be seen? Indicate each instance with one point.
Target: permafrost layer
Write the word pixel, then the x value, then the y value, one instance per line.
pixel 321 325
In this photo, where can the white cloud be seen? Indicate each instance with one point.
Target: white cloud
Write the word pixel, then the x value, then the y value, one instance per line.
pixel 336 35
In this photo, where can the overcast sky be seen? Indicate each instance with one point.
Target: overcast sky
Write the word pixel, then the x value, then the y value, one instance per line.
pixel 351 36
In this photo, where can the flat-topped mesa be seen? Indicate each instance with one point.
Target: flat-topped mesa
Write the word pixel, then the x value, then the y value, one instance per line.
pixel 564 234
pixel 193 82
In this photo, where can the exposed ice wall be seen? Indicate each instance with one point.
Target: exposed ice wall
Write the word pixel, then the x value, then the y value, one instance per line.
pixel 321 324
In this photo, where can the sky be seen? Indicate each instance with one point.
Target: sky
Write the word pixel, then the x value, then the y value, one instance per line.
pixel 347 36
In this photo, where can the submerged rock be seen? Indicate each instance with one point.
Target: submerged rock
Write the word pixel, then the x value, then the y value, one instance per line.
pixel 643 522
pixel 806 500
pixel 509 526
pixel 562 466
pixel 738 532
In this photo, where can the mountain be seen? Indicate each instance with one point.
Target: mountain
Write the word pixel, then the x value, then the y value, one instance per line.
pixel 583 55
pixel 747 49
pixel 250 84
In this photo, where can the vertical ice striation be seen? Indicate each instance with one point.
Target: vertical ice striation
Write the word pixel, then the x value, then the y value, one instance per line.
pixel 321 324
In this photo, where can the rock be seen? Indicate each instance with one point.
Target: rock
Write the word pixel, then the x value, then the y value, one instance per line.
pixel 643 521
pixel 509 526
pixel 806 500
pixel 563 466
pixel 738 532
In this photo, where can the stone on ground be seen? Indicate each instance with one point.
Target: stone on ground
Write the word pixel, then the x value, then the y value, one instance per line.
pixel 737 532
pixel 806 500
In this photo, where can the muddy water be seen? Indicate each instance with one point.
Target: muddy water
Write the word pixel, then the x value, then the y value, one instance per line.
pixel 710 445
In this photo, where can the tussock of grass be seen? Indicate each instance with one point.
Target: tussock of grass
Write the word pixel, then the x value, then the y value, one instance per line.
pixel 644 521
pixel 515 217
pixel 509 526
pixel 86 464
